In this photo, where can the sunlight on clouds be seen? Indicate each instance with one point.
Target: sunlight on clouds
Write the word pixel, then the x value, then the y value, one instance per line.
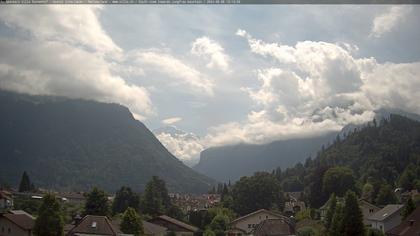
pixel 185 146
pixel 210 49
pixel 317 87
pixel 68 54
pixel 184 74
pixel 172 120
pixel 387 21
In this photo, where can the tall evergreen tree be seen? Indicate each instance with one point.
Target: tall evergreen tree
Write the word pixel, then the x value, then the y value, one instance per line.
pixel 332 203
pixel 50 219
pixel 155 199
pixel 225 192
pixel 131 223
pixel 25 183
pixel 409 207
pixel 125 198
pixel 352 216
pixel 97 203
pixel 336 227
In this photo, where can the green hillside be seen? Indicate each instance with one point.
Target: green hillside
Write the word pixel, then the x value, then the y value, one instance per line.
pixel 76 144
pixel 382 155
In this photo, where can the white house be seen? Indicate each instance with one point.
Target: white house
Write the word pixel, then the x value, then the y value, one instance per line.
pixel 386 218
pixel 6 201
pixel 368 209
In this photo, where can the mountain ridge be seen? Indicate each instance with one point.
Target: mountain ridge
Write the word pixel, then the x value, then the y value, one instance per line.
pixel 217 162
pixel 84 143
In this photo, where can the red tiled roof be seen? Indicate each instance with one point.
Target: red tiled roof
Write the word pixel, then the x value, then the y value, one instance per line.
pixel 274 227
pixel 102 226
pixel 22 220
pixel 409 227
pixel 178 223
pixel 256 212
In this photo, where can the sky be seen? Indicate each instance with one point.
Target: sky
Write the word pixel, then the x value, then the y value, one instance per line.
pixel 219 75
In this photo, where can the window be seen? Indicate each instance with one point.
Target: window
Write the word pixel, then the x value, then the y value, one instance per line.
pixel 370 210
pixel 249 226
pixel 9 230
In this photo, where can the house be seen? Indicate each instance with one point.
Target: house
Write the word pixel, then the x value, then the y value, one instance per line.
pixel 368 209
pixel 6 201
pixel 149 229
pixel 94 225
pixel 275 227
pixel 245 225
pixel 294 195
pixel 293 207
pixel 18 223
pixel 173 225
pixel 386 218
pixel 193 202
pixel 410 226
pixel 153 229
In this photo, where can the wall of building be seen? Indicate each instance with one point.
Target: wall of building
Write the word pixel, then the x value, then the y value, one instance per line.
pixel 392 221
pixel 366 211
pixel 8 228
pixel 249 223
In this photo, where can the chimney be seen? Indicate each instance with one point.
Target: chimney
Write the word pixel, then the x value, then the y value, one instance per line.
pixel 76 219
pixel 411 222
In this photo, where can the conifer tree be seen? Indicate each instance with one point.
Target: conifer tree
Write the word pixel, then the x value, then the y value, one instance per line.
pixel 156 199
pixel 125 198
pixel 25 183
pixel 131 223
pixel 352 216
pixel 97 203
pixel 336 228
pixel 50 220
pixel 331 210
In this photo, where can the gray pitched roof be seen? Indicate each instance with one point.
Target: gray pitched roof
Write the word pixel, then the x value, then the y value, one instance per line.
pixel 274 227
pixel 153 229
pixel 256 212
pixel 22 220
pixel 386 212
pixel 96 225
pixel 179 223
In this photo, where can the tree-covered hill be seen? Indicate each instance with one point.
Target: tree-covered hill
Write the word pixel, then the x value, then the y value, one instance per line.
pixel 217 162
pixel 372 160
pixel 76 144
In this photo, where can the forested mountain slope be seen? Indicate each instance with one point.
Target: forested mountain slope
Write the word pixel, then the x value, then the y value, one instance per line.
pixel 76 144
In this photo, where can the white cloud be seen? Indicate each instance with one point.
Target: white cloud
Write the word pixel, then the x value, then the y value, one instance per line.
pixel 63 50
pixel 76 25
pixel 211 50
pixel 172 120
pixel 388 20
pixel 185 76
pixel 185 146
pixel 314 88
